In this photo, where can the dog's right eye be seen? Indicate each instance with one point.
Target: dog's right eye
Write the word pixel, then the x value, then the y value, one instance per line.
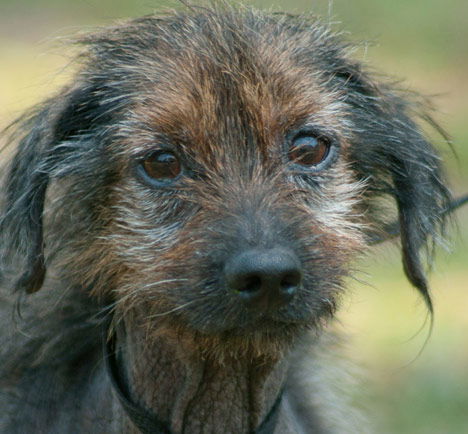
pixel 162 166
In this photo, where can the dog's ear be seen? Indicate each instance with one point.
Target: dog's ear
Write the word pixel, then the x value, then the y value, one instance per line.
pixel 38 153
pixel 390 151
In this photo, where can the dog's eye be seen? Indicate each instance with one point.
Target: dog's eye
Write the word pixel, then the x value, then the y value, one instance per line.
pixel 309 150
pixel 162 165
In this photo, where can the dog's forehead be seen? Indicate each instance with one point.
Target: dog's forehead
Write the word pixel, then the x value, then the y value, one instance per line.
pixel 234 87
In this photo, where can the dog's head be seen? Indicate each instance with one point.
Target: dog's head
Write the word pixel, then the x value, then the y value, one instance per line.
pixel 217 173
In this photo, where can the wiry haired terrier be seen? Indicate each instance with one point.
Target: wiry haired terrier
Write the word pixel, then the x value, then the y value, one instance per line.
pixel 189 208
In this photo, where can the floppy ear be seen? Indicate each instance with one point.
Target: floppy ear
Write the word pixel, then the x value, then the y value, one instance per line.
pixel 390 151
pixel 25 189
pixel 422 199
pixel 38 154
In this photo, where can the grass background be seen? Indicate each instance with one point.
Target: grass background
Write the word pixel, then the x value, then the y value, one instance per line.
pixel 423 41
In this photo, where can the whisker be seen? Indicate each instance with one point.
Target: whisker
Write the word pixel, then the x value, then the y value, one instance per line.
pixel 175 309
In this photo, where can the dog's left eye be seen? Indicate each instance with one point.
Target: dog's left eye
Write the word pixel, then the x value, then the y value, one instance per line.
pixel 308 150
pixel 162 166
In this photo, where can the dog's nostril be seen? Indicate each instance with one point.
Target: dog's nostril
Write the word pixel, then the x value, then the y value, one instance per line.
pixel 270 276
pixel 250 284
pixel 290 282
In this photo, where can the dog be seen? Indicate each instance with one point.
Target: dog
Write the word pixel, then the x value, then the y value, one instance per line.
pixel 179 223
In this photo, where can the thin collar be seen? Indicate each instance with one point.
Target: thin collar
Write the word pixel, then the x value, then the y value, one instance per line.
pixel 144 419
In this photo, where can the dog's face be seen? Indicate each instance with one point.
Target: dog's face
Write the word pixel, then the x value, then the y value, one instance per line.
pixel 232 152
pixel 217 173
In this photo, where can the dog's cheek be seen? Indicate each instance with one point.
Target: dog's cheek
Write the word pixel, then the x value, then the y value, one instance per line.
pixel 330 237
pixel 334 209
pixel 145 222
pixel 145 239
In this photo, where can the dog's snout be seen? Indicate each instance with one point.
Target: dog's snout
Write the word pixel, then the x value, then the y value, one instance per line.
pixel 268 277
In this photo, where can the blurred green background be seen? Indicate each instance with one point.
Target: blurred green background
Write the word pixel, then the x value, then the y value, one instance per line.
pixel 425 42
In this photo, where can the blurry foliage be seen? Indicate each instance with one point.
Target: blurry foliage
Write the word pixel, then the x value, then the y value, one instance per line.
pixel 423 41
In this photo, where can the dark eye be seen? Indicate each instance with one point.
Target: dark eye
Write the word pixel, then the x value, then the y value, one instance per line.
pixel 162 166
pixel 309 151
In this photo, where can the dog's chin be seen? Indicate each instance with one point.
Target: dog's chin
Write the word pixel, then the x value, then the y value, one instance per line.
pixel 271 341
pixel 263 337
pixel 269 323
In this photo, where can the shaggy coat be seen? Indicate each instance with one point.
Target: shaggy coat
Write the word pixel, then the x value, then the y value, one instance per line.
pixel 184 143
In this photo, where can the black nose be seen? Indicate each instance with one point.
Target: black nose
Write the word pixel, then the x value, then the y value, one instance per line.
pixel 264 277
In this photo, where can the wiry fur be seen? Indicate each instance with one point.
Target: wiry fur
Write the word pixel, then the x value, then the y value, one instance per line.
pixel 225 88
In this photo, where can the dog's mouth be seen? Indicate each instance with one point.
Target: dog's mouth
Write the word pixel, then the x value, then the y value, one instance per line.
pixel 222 312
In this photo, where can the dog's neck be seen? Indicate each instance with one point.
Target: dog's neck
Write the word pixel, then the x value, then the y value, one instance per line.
pixel 195 394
